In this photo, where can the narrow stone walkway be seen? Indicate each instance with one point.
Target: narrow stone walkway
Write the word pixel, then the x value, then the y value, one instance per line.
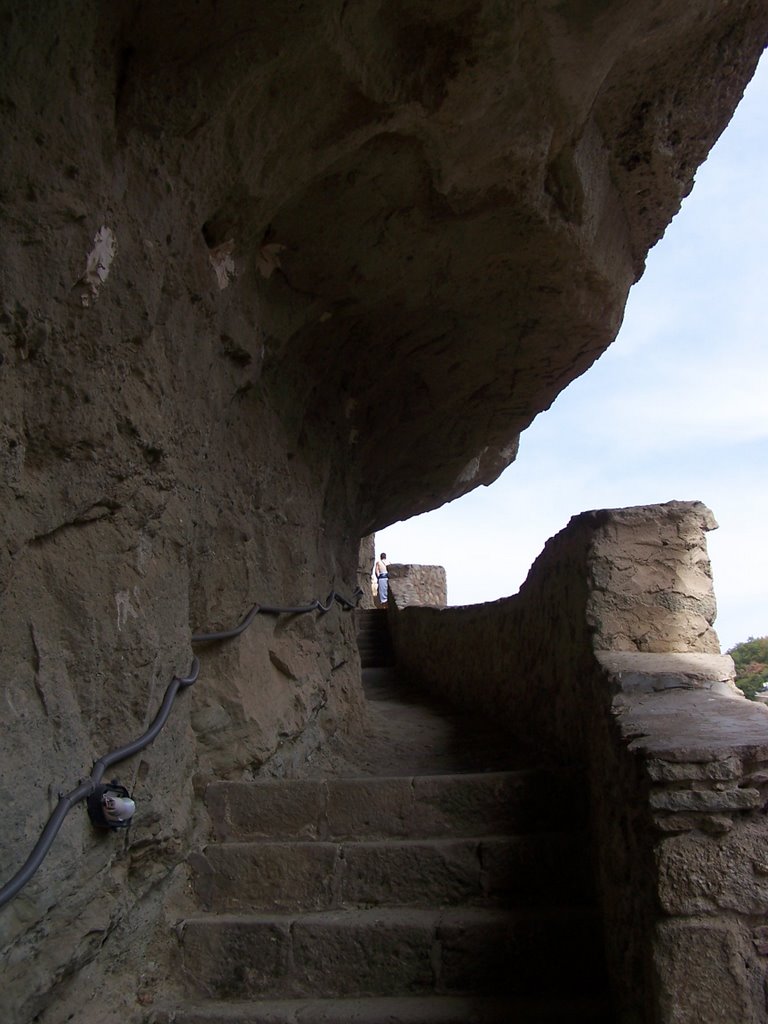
pixel 421 873
pixel 410 732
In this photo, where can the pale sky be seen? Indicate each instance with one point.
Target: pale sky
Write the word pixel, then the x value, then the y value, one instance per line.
pixel 677 408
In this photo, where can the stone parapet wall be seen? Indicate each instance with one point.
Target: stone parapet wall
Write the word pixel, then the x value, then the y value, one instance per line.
pixel 417 585
pixel 604 667
pixel 702 750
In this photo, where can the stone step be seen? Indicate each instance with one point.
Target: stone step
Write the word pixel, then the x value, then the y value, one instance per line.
pixel 373 639
pixel 402 952
pixel 541 869
pixel 390 1010
pixel 424 806
pixel 371 618
pixel 374 642
pixel 378 655
pixel 374 628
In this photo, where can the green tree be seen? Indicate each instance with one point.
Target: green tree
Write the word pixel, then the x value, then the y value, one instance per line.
pixel 751 660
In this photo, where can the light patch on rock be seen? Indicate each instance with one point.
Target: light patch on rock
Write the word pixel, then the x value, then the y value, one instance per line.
pixel 223 262
pixel 268 259
pixel 508 453
pixel 98 263
pixel 470 471
pixel 125 609
pixel 143 554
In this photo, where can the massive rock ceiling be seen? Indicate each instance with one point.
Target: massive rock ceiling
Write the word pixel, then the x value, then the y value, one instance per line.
pixel 441 205
pixel 427 214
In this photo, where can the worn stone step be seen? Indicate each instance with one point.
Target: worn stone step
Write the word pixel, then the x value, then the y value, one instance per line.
pixel 376 627
pixel 392 952
pixel 543 869
pixel 376 657
pixel 390 1010
pixel 374 643
pixel 373 639
pixel 371 618
pixel 374 631
pixel 494 803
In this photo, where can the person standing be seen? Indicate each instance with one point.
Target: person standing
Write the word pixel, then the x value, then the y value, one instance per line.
pixel 381 573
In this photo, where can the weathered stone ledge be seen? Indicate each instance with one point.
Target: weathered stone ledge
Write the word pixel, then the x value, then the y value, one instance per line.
pixel 697 726
pixel 642 672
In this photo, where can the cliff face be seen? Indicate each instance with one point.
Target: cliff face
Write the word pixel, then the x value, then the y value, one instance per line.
pixel 273 276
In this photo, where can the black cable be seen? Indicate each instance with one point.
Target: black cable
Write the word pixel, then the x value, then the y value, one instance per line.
pixel 266 609
pixel 176 684
pixel 84 790
pixel 44 843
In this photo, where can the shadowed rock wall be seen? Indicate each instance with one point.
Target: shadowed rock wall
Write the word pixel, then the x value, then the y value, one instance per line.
pixel 273 276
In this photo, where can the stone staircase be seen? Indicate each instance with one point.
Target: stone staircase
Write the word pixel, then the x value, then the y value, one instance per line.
pixel 373 639
pixel 443 895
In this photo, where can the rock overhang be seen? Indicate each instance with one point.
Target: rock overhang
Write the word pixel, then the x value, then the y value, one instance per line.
pixel 441 207
pixel 412 224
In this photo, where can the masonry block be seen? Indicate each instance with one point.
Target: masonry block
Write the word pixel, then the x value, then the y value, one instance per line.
pixel 708 973
pixel 709 874
pixel 290 808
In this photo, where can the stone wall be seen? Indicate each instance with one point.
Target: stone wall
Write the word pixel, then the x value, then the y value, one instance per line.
pixel 650 582
pixel 702 750
pixel 621 674
pixel 365 563
pixel 417 585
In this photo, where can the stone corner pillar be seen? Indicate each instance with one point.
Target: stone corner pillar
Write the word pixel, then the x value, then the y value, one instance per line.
pixel 651 579
pixel 423 585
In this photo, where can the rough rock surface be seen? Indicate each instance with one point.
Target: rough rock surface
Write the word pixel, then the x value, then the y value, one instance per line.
pixel 418 584
pixel 274 275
